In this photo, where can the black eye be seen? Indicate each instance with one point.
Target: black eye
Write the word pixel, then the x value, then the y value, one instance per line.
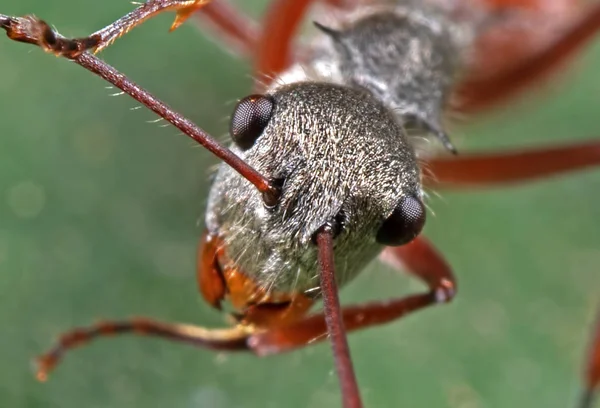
pixel 404 224
pixel 249 119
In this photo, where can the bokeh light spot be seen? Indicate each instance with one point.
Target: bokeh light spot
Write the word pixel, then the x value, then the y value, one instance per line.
pixel 26 199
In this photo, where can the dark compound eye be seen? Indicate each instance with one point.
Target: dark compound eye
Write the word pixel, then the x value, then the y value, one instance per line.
pixel 404 224
pixel 249 119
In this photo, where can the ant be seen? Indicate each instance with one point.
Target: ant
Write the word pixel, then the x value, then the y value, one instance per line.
pixel 322 174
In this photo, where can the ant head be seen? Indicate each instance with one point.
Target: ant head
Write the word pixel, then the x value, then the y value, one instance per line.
pixel 340 158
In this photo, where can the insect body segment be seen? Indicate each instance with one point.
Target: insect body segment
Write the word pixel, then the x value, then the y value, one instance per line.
pixel 406 58
pixel 323 172
pixel 337 142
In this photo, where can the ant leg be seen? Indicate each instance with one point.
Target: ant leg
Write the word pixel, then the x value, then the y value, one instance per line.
pixel 273 49
pixel 488 169
pixel 592 373
pixel 274 46
pixel 478 95
pixel 237 30
pixel 223 339
pixel 30 29
pixel 419 257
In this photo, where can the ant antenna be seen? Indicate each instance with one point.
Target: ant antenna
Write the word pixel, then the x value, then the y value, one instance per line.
pixel 110 74
pixel 335 320
pixel 34 31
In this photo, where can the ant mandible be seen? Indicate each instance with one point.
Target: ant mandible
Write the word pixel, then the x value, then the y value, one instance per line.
pixel 322 174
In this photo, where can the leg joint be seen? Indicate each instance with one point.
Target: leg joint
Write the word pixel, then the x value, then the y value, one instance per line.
pixel 445 291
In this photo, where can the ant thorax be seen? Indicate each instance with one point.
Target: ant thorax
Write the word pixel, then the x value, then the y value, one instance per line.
pixel 336 142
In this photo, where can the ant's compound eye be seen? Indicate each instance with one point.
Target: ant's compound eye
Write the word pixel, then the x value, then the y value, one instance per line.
pixel 249 119
pixel 404 224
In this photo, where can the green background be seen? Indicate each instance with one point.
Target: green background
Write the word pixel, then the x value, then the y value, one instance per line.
pixel 100 214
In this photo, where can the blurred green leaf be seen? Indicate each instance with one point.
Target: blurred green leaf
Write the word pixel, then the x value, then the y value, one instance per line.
pixel 99 215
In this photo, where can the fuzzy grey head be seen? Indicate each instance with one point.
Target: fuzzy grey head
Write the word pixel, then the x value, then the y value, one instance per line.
pixel 340 157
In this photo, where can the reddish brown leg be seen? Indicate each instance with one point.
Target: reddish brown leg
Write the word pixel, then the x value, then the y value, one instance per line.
pixel 592 371
pixel 34 31
pixel 230 26
pixel 273 50
pixel 225 339
pixel 487 169
pixel 478 95
pixel 419 257
pixel 274 47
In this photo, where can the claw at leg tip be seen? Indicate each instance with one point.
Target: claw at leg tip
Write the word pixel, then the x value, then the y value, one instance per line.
pixel 41 370
pixel 42 366
pixel 41 376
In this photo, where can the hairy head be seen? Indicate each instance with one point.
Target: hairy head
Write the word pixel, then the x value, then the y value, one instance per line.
pixel 340 157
